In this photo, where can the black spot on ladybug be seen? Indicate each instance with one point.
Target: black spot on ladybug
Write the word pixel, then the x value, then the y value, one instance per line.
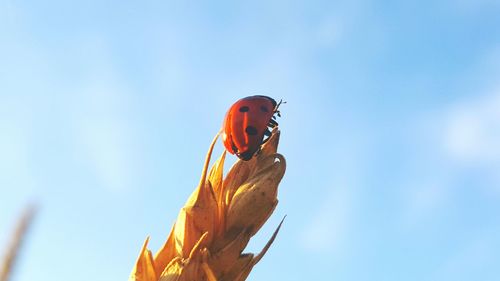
pixel 251 130
pixel 244 109
pixel 264 109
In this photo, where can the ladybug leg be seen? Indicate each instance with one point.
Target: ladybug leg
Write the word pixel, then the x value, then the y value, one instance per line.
pixel 267 134
pixel 276 112
pixel 272 123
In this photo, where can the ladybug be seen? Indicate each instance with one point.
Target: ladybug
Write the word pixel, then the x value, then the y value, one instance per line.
pixel 246 124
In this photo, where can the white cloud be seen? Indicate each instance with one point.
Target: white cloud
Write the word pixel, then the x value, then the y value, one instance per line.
pixel 474 7
pixel 16 173
pixel 103 132
pixel 473 131
pixel 330 31
pixel 327 230
pixel 16 118
pixel 424 199
pixel 478 255
pixel 462 139
pixel 105 137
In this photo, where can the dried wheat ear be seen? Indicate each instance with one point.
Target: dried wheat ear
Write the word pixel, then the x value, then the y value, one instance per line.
pixel 218 220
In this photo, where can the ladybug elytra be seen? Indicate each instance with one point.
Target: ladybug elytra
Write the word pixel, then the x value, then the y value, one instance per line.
pixel 246 124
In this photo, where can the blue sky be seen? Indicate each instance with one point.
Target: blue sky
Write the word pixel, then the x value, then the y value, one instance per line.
pixel 390 130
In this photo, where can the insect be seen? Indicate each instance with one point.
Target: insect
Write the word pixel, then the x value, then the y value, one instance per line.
pixel 246 124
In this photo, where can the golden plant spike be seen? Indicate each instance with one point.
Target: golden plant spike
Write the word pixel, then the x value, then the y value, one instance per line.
pixel 218 220
pixel 15 246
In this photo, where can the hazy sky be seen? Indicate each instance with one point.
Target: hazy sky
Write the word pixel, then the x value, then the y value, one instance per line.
pixel 391 131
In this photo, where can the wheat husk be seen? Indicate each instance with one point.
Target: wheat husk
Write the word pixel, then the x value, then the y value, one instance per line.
pixel 215 225
pixel 14 247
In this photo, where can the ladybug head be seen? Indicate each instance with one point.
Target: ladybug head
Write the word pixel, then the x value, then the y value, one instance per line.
pixel 276 105
pixel 245 156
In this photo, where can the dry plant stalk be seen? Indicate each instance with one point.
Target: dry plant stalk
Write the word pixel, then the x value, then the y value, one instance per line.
pixel 16 243
pixel 217 222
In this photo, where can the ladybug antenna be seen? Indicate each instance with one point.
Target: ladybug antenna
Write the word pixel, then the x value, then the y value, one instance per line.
pixel 276 108
pixel 279 103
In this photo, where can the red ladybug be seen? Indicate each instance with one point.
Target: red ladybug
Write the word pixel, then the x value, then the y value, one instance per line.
pixel 246 123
